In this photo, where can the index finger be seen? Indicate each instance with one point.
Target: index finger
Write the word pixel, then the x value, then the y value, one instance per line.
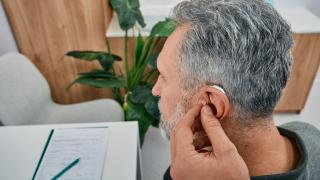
pixel 189 119
pixel 182 136
pixel 218 138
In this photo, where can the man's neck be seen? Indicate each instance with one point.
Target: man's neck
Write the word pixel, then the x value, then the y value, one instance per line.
pixel 263 148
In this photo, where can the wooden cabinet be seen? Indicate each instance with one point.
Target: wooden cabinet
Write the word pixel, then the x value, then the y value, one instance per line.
pixel 306 60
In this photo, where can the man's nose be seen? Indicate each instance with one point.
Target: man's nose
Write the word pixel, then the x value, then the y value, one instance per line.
pixel 156 90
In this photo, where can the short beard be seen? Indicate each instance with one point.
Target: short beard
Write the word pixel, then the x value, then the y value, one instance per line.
pixel 168 124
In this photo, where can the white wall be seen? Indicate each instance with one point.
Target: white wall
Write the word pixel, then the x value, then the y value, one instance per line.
pixel 7 42
pixel 314 6
pixel 289 3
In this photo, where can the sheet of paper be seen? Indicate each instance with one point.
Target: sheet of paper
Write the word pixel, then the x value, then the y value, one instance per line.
pixel 67 145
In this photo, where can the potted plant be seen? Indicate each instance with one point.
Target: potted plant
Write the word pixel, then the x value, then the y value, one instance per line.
pixel 131 88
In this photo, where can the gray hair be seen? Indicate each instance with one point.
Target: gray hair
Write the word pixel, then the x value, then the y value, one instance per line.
pixel 242 45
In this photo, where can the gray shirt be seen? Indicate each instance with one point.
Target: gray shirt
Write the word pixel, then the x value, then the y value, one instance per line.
pixel 307 138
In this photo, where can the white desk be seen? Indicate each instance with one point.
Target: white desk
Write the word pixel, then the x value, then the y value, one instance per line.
pixel 21 147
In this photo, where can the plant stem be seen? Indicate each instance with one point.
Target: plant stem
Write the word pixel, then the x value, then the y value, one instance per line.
pixel 146 55
pixel 126 58
pixel 117 95
pixel 144 51
pixel 153 45
pixel 115 91
pixel 108 46
pixel 148 74
pixel 151 76
pixel 109 51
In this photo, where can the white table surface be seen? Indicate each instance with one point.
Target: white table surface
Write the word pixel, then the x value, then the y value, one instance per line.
pixel 21 147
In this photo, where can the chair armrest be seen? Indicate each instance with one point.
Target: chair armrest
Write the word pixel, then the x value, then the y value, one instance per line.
pixel 102 110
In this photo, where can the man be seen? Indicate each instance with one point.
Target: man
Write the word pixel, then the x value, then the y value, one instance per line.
pixel 227 63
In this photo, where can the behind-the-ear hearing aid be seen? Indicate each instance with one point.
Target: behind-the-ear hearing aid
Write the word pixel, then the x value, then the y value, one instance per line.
pixel 218 88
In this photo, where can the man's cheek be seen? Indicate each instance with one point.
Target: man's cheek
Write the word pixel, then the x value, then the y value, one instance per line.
pixel 163 108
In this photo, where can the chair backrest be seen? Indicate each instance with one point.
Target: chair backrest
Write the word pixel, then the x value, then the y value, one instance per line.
pixel 23 90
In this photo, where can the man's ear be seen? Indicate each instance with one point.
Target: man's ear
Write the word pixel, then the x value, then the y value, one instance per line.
pixel 218 102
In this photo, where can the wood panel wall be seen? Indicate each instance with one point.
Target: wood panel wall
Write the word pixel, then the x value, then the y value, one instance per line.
pixel 46 29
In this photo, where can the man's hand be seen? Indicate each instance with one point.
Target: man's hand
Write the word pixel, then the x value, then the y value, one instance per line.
pixel 223 162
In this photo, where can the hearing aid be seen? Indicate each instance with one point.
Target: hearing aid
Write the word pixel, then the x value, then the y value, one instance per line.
pixel 218 88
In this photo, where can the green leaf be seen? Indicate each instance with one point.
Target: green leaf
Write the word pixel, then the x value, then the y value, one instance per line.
pixel 134 111
pixel 128 13
pixel 152 108
pixel 140 18
pixel 144 124
pixel 83 55
pixel 152 60
pixel 99 83
pixel 138 48
pixel 98 74
pixel 138 113
pixel 105 59
pixel 163 28
pixel 140 94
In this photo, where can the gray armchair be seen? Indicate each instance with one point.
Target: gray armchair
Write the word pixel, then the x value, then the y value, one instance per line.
pixel 25 98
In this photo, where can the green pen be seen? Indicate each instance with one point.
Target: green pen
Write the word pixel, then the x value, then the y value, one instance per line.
pixel 66 169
